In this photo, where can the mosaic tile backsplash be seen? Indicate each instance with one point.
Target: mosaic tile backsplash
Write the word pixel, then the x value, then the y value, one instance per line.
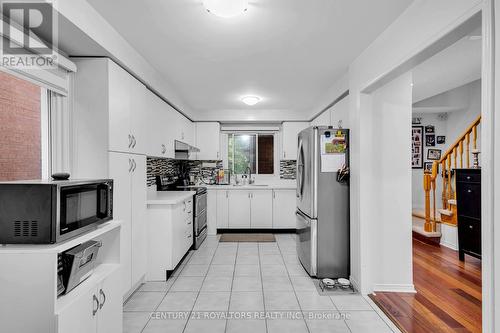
pixel 171 167
pixel 288 169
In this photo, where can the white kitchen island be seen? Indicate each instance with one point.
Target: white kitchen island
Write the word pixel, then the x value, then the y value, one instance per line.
pixel 170 231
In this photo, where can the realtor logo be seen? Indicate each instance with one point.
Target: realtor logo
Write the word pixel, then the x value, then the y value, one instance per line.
pixel 28 32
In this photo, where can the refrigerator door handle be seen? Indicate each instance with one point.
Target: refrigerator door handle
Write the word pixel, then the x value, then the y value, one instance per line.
pixel 300 171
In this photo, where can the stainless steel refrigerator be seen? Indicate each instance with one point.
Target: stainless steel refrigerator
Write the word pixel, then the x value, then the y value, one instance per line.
pixel 323 201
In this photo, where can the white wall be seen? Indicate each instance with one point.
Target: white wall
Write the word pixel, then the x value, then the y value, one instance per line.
pixel 340 112
pixel 391 259
pixel 399 43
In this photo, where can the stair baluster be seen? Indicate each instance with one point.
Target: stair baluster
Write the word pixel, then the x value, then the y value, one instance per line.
pixel 448 193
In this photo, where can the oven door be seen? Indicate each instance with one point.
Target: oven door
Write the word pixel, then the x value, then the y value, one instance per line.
pixel 201 204
pixel 82 207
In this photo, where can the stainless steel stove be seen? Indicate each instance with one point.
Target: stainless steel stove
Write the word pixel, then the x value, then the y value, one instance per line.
pixel 164 183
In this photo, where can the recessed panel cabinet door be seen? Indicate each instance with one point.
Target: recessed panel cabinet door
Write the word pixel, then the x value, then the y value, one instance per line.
pixel 239 209
pixel 262 209
pixel 284 207
pixel 138 225
pixel 120 167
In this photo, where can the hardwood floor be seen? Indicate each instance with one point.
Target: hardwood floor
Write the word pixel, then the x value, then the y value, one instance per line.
pixel 448 297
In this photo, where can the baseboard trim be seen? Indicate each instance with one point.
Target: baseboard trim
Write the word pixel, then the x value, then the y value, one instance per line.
pixel 451 246
pixel 394 288
pixel 256 231
pixel 355 283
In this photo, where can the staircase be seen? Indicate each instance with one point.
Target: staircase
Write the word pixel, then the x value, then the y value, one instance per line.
pixel 457 156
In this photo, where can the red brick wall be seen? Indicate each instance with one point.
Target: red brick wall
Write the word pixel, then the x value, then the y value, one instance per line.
pixel 20 149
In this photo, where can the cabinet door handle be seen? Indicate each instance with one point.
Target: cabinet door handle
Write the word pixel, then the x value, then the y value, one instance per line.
pixel 163 149
pixel 129 140
pixel 96 303
pixel 227 195
pixel 274 195
pixel 130 166
pixel 185 206
pixel 134 165
pixel 103 298
pixel 469 191
pixel 134 141
pixel 284 154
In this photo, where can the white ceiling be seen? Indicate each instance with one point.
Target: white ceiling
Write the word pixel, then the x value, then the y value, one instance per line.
pixel 289 52
pixel 453 67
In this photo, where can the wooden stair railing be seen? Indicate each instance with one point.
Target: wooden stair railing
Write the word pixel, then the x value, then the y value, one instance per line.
pixel 451 155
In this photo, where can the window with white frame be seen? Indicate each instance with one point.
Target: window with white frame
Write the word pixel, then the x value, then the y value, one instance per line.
pixel 253 152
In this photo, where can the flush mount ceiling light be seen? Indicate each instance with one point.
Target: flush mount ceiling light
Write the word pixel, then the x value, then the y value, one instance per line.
pixel 251 100
pixel 226 8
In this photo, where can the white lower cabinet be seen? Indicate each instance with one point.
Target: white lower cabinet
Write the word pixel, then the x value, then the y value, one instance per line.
pixel 222 209
pixel 239 209
pixel 170 236
pixel 129 205
pixel 261 209
pixel 284 206
pixel 251 209
pixel 98 310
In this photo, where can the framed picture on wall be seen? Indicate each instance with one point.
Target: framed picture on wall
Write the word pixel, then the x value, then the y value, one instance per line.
pixel 428 166
pixel 430 140
pixel 429 129
pixel 441 139
pixel 434 154
pixel 417 147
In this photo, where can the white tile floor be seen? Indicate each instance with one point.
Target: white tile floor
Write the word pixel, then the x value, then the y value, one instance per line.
pixel 221 280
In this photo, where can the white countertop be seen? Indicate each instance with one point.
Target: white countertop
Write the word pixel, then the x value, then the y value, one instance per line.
pixel 284 185
pixel 168 197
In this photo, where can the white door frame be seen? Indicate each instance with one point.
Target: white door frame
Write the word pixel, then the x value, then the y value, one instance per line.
pixel 490 149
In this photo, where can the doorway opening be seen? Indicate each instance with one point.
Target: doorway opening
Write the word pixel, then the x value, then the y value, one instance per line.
pixel 446 193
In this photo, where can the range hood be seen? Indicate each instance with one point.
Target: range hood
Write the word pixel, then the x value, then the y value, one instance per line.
pixel 183 150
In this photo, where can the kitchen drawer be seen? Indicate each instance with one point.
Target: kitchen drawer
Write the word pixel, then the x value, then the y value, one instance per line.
pixel 469 199
pixel 189 205
pixel 469 234
pixel 464 176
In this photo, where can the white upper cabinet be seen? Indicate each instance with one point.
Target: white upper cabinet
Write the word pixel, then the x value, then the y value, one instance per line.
pixel 120 105
pixel 139 128
pixel 208 140
pixel 290 130
pixel 160 143
pixel 128 130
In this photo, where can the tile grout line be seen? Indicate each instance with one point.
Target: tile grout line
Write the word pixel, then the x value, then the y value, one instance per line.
pixel 166 292
pixel 262 287
pixel 232 282
pixel 199 291
pixel 293 288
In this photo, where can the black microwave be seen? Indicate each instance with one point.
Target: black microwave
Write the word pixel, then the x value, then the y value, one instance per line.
pixel 48 212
